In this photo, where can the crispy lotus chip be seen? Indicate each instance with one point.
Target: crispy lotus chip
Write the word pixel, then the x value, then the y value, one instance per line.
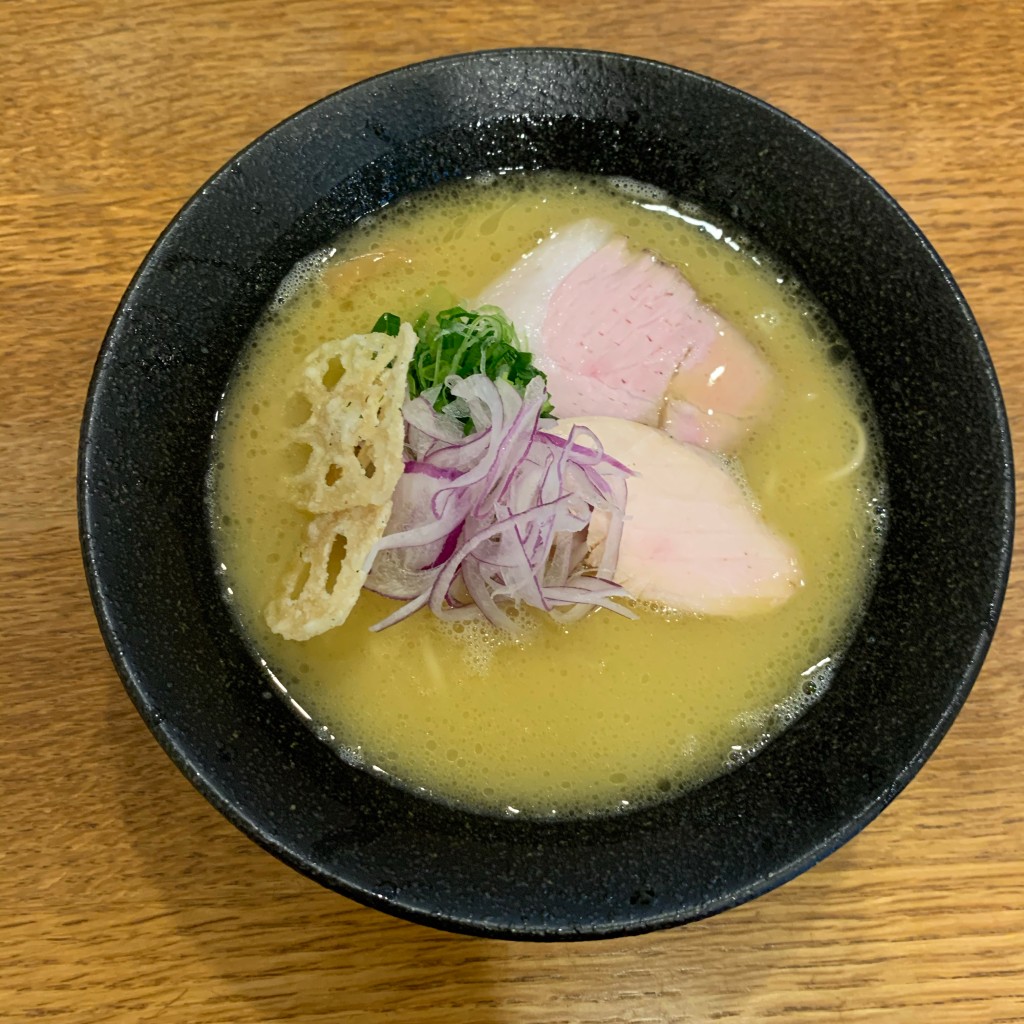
pixel 349 399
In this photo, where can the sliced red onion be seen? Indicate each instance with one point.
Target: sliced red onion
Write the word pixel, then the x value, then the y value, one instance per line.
pixel 497 519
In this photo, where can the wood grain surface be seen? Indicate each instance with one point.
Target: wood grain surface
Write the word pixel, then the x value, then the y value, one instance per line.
pixel 123 895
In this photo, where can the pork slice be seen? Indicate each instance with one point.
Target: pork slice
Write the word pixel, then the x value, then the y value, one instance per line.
pixel 623 334
pixel 692 540
pixel 716 398
pixel 524 291
pixel 617 328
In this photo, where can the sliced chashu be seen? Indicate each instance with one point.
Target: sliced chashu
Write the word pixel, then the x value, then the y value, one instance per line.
pixel 692 539
pixel 621 333
pixel 350 396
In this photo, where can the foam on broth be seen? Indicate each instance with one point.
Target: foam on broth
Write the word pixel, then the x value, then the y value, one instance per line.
pixel 606 713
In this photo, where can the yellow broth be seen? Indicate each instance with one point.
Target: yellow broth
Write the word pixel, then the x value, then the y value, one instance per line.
pixel 606 713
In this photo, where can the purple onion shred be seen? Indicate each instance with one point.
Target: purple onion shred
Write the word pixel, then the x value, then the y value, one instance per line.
pixel 484 523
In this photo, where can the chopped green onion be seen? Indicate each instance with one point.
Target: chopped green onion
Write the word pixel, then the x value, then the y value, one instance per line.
pixel 464 342
pixel 388 324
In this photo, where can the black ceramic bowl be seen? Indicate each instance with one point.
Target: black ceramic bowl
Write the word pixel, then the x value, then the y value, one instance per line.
pixel 146 445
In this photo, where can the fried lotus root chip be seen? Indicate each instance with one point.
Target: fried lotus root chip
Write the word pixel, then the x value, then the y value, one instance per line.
pixel 351 395
pixel 354 389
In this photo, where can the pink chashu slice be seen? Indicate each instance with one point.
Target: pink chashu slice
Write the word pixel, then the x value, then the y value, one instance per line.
pixel 623 334
pixel 693 539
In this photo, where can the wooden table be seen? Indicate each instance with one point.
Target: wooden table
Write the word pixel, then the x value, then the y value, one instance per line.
pixel 125 897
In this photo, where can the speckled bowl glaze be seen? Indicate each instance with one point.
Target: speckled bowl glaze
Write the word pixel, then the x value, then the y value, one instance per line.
pixel 185 317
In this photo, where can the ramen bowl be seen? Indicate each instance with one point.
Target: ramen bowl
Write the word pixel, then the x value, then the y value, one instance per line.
pixel 146 450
